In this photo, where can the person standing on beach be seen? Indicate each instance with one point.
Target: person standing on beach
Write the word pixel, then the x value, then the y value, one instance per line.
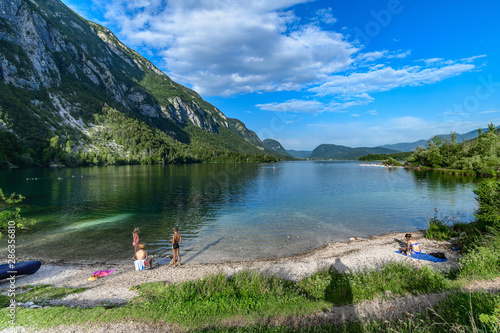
pixel 135 239
pixel 176 239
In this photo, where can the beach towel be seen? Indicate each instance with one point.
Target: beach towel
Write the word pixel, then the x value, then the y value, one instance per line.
pixel 102 273
pixel 423 256
pixel 139 264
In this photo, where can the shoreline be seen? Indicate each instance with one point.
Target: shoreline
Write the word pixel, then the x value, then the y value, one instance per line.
pixel 353 255
pixel 164 259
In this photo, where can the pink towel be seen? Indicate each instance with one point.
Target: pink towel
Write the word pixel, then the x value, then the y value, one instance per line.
pixel 102 273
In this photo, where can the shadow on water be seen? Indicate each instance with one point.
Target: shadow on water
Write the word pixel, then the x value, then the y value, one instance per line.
pixel 203 250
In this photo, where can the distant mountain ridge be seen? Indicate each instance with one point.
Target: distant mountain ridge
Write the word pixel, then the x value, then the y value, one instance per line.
pixel 338 152
pixel 410 146
pixel 299 153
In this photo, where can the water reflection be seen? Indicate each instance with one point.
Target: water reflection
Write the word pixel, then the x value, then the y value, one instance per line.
pixel 88 208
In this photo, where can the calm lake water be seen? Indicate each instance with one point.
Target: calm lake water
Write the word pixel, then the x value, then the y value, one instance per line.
pixel 224 211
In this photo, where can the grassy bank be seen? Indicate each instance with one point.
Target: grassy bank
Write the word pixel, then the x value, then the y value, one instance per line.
pixel 246 297
pixel 458 312
pixel 249 299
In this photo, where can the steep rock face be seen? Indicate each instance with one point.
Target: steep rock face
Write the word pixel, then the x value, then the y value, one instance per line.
pixel 275 146
pixel 47 47
pixel 28 31
pixel 240 129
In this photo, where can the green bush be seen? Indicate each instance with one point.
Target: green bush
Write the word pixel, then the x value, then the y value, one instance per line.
pixel 438 230
pixel 8 213
pixel 488 197
pixel 482 262
pixel 468 311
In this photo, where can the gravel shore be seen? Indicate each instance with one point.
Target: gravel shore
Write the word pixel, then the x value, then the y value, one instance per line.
pixel 353 255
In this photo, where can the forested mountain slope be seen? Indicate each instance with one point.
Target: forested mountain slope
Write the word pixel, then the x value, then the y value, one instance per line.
pixel 72 93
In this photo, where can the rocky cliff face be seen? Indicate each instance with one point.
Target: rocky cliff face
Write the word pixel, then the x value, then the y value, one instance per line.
pixel 275 146
pixel 70 68
pixel 239 128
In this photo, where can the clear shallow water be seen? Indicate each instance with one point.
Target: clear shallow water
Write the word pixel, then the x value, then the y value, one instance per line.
pixel 224 211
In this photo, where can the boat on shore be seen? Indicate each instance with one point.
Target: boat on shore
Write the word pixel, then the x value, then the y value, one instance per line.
pixel 18 269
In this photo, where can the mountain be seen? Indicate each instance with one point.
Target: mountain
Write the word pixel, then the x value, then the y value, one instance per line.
pixel 299 153
pixel 72 93
pixel 410 146
pixel 337 152
pixel 406 147
pixel 275 146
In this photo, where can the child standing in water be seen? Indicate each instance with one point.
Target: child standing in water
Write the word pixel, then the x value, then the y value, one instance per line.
pixel 135 238
pixel 176 239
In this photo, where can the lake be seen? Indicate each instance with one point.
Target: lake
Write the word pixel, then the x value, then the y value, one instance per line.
pixel 224 211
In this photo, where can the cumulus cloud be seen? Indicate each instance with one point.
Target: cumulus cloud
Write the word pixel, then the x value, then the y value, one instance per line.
pixel 231 47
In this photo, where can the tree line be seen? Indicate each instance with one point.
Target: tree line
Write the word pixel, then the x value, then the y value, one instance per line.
pixel 119 139
pixel 480 155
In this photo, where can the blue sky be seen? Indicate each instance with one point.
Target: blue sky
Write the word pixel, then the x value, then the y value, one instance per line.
pixel 348 72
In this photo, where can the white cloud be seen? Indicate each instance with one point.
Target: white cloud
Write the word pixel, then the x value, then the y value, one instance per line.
pixel 326 16
pixel 315 107
pixel 231 47
pixel 433 60
pixel 490 111
pixel 296 106
pixel 471 59
pixel 387 78
pixel 375 55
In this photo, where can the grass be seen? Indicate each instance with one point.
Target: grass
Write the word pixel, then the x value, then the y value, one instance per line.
pixel 458 312
pixel 398 278
pixel 481 262
pixel 246 297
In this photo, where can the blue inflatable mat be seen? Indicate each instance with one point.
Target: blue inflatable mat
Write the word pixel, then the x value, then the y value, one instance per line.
pixel 424 256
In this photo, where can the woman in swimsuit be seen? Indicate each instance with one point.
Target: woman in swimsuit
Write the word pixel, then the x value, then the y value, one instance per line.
pixel 411 245
pixel 176 239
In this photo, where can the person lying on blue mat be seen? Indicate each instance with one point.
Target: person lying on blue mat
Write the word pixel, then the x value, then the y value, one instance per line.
pixel 412 246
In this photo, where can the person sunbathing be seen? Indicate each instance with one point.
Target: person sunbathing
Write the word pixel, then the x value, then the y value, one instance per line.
pixel 141 258
pixel 412 246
